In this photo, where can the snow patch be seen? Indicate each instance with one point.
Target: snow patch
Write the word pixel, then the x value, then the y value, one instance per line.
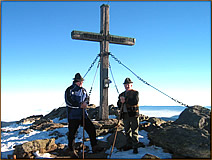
pixel 42 155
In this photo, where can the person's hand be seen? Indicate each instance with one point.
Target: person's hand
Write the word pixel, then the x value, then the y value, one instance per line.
pixel 84 105
pixel 118 125
pixel 122 98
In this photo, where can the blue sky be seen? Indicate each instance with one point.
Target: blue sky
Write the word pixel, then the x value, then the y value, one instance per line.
pixel 39 59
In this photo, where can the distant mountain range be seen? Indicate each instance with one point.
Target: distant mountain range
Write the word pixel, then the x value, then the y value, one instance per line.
pixel 173 118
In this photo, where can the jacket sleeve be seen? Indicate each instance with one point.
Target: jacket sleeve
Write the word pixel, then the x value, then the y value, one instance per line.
pixel 119 101
pixel 87 98
pixel 71 99
pixel 68 97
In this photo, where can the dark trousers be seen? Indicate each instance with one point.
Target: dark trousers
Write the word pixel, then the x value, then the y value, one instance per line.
pixel 131 126
pixel 74 125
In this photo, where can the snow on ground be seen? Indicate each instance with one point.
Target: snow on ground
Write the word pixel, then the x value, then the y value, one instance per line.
pixel 157 151
pixel 12 138
pixel 154 150
pixel 42 155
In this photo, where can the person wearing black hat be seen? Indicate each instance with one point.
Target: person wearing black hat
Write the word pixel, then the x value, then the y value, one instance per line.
pixel 76 99
pixel 128 103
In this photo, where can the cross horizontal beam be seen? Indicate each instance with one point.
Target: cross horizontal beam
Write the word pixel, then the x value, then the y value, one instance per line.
pixel 98 37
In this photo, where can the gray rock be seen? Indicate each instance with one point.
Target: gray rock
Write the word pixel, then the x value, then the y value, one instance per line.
pixel 156 121
pixel 149 124
pixel 107 126
pixel 182 140
pixel 45 125
pixel 143 117
pixel 110 123
pixel 43 120
pixel 27 150
pixel 57 113
pixel 188 136
pixel 121 140
pixel 113 110
pixel 93 113
pixel 103 144
pixel 25 131
pixel 30 119
pixel 196 116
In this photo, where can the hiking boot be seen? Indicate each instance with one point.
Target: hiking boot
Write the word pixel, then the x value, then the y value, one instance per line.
pixel 135 150
pixel 74 154
pixel 97 148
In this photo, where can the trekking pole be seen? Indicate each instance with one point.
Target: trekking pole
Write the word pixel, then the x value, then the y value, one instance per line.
pixel 116 130
pixel 83 123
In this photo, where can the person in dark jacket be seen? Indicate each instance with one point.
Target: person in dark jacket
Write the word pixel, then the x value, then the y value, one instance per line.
pixel 129 110
pixel 76 99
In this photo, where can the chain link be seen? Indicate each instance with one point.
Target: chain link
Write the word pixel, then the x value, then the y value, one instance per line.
pixel 94 77
pixel 116 59
pixel 113 78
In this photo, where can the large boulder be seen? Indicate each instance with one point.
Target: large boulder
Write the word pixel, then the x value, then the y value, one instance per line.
pixel 107 126
pixel 185 138
pixel 196 116
pixel 150 123
pixel 120 142
pixel 113 110
pixel 143 117
pixel 45 125
pixel 183 141
pixel 28 149
pixel 57 113
pixel 25 131
pixel 93 112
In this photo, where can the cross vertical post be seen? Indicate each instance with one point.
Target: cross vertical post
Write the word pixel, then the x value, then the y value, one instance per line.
pixel 104 38
pixel 104 65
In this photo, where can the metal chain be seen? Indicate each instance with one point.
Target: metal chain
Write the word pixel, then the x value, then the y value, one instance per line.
pixel 146 82
pixel 94 77
pixel 113 78
pixel 91 65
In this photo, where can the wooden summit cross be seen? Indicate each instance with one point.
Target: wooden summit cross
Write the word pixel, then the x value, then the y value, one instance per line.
pixel 104 38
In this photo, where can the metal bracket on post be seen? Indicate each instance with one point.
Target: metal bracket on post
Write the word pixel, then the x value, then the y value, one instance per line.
pixel 106 83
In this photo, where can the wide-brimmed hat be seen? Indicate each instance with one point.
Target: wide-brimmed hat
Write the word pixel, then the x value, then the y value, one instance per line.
pixel 78 78
pixel 127 80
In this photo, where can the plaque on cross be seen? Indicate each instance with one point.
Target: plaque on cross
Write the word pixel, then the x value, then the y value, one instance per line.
pixel 104 38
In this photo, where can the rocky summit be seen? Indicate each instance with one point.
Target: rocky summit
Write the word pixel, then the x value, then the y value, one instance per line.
pixel 186 137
